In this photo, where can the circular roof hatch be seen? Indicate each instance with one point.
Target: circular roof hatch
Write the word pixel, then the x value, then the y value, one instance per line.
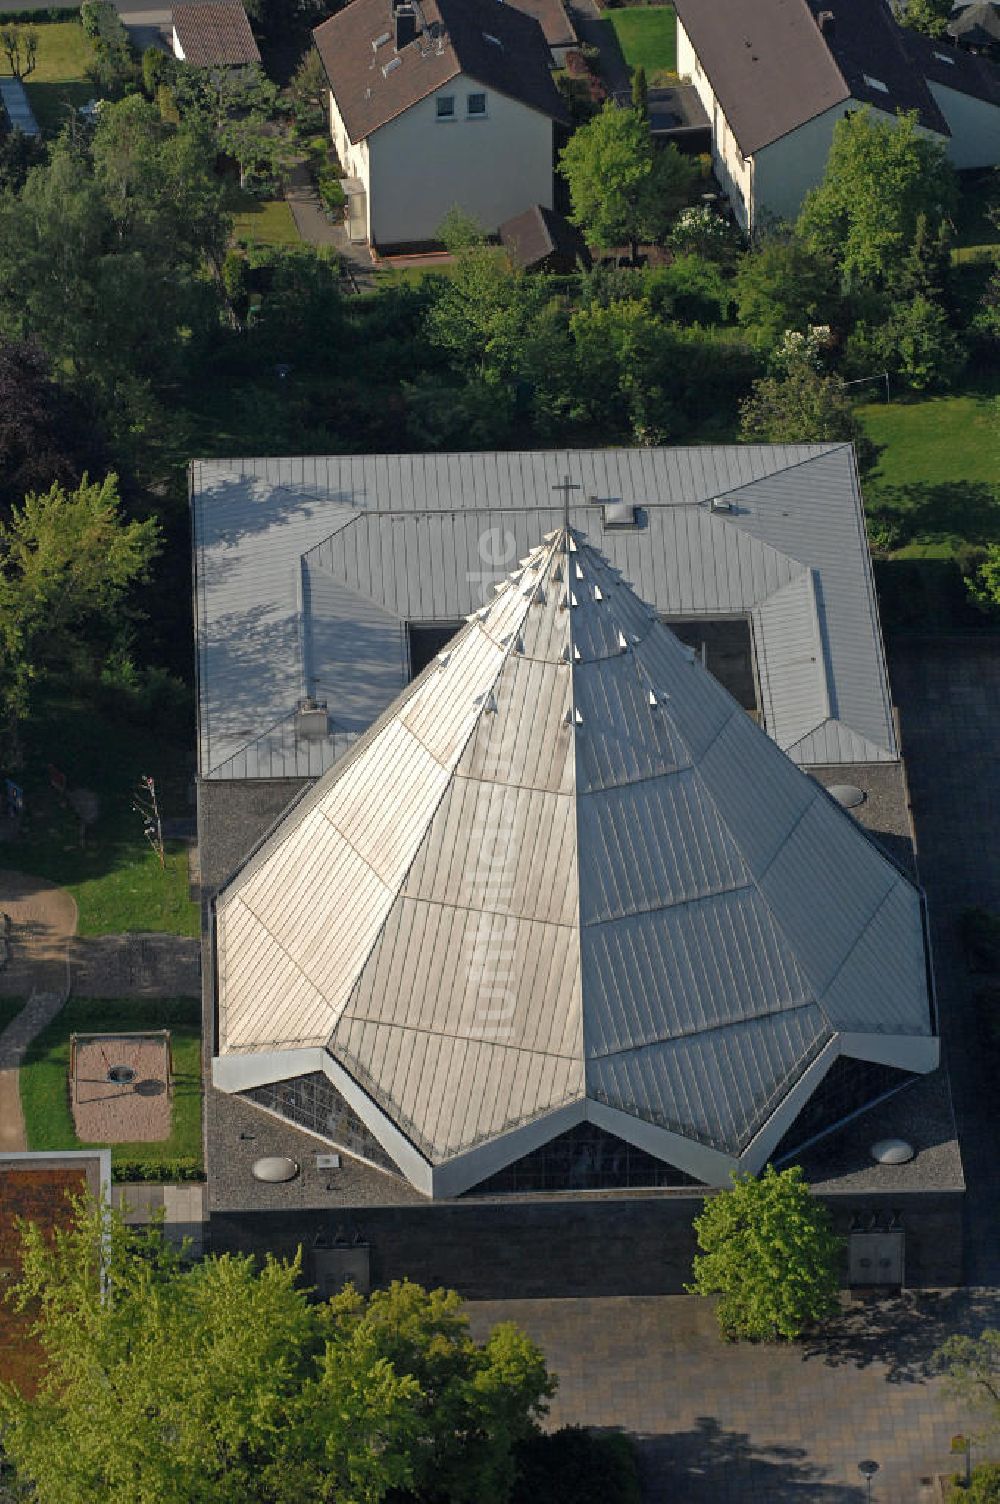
pixel 847 795
pixel 274 1169
pixel 892 1151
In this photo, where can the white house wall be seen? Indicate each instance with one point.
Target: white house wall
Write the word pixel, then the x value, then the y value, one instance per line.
pixel 974 125
pixel 492 167
pixel 786 169
pixel 731 167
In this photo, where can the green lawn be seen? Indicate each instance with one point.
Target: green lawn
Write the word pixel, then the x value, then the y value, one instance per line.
pixel 265 221
pixel 44 1080
pixel 115 877
pixel 59 80
pixel 937 475
pixel 647 36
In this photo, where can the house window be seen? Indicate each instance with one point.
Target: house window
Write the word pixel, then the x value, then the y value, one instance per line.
pixel 475 105
pixel 446 107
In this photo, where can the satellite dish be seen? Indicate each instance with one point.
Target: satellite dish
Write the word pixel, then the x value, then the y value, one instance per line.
pixel 892 1151
pixel 274 1169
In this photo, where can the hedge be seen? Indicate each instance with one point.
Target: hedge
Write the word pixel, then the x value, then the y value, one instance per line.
pixel 54 13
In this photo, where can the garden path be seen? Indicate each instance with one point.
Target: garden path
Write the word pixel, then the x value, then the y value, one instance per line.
pixel 42 924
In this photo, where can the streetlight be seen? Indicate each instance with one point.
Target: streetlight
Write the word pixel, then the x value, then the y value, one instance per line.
pixel 868 1468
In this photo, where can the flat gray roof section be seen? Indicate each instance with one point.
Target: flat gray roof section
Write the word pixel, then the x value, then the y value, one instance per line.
pixel 309 569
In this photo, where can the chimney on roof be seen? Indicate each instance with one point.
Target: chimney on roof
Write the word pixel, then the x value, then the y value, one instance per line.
pixel 827 23
pixel 404 18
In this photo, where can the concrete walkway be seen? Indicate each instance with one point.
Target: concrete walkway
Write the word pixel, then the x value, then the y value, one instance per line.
pixel 314 227
pixel 43 922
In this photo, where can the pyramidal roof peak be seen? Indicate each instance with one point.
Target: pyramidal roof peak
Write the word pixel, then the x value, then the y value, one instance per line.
pixel 566 874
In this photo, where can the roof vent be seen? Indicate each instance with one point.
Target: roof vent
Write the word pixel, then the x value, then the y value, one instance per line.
pixel 443 660
pixel 652 699
pixel 827 23
pixel 328 1161
pixel 597 593
pixel 892 1151
pixel 274 1168
pixel 847 795
pixel 619 514
pixel 722 504
pixel 311 721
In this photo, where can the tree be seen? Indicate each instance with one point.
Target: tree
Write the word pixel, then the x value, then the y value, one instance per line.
pixel 221 1383
pixel 67 562
pixel 770 1254
pixel 46 435
pixel 803 406
pixel 309 92
pixel 918 344
pixel 971 1366
pixel 640 92
pixel 20 48
pixel 928 16
pixel 783 284
pixel 880 177
pixel 623 189
pixel 983 585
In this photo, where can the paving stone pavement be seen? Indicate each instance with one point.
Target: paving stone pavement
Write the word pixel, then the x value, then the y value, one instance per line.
pixel 183 1206
pixel 947 691
pixel 746 1424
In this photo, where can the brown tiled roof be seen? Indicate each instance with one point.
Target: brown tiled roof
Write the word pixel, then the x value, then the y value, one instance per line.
pixel 539 232
pixel 772 68
pixel 553 18
pixel 965 72
pixel 216 34
pixel 372 85
pixel 39 1194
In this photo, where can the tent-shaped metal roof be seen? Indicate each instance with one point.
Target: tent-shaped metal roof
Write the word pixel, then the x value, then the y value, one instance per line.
pixel 566 876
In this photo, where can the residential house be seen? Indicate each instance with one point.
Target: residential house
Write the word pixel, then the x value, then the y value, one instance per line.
pixel 215 34
pixel 775 76
pixel 436 104
pixel 554 19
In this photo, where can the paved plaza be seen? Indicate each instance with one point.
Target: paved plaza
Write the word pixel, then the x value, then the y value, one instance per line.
pixel 746 1424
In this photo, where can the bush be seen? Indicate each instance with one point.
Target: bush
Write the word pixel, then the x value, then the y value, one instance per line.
pixel 163 1172
pixel 979 931
pixel 576 1466
pixel 984 1488
pixel 331 194
pixel 886 530
pixel 33 17
pixel 157 70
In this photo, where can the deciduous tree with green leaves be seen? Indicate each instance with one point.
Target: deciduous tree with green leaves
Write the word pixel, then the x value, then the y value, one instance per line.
pixel 971 1366
pixel 802 406
pixel 221 1383
pixel 770 1254
pixel 624 190
pixel 67 562
pixel 881 175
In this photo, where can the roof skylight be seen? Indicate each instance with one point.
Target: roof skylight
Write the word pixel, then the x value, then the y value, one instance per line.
pixel 875 83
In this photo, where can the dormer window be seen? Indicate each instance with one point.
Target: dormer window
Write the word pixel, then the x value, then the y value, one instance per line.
pixel 475 106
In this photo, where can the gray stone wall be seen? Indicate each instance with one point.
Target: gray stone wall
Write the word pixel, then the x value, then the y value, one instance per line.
pixel 566 1246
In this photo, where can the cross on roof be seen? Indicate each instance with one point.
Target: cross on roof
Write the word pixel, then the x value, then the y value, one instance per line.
pixel 566 486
